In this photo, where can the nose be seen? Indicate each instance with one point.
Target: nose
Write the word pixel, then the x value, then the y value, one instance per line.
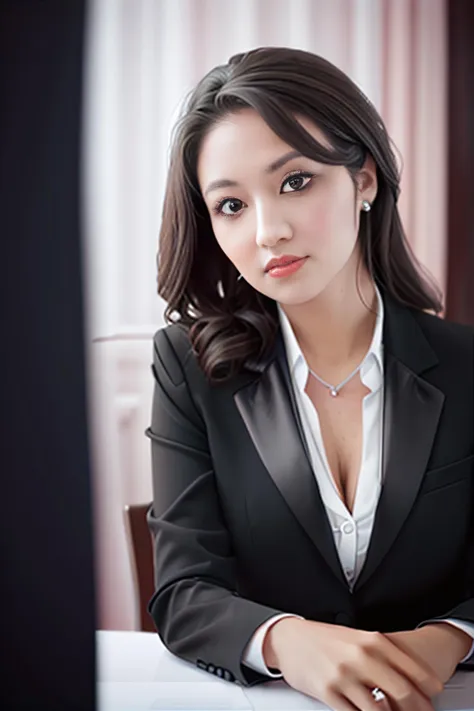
pixel 272 226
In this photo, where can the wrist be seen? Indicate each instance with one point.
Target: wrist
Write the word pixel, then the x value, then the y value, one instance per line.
pixel 448 637
pixel 276 640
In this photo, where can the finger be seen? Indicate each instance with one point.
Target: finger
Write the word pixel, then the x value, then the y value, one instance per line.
pixel 363 698
pixel 413 668
pixel 337 702
pixel 406 703
pixel 401 693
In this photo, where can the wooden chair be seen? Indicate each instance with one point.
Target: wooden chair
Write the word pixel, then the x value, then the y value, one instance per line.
pixel 141 553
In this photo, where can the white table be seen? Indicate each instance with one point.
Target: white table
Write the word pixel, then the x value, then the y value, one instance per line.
pixel 136 672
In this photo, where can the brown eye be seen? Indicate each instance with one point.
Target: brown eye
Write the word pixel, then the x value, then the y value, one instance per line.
pixel 233 205
pixel 229 207
pixel 296 182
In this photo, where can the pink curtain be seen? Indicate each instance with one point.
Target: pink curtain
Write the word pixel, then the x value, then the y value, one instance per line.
pixel 415 111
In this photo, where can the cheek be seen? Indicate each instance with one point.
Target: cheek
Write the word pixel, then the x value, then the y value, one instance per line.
pixel 234 242
pixel 335 223
pixel 345 210
pixel 315 224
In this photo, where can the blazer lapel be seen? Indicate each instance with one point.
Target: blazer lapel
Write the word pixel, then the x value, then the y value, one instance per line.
pixel 269 411
pixel 412 408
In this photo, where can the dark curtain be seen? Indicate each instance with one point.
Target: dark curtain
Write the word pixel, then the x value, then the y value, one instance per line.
pixel 47 598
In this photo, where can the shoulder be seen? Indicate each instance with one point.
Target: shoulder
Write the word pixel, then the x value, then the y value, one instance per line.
pixel 175 360
pixel 442 328
pixel 178 378
pixel 176 363
pixel 172 349
pixel 446 337
pixel 175 385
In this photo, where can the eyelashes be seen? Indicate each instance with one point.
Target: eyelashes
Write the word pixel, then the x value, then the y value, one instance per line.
pixel 297 175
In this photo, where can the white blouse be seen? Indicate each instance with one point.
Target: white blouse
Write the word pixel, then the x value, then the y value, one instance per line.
pixel 351 531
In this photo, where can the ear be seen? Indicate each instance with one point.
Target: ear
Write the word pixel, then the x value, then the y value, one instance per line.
pixel 367 181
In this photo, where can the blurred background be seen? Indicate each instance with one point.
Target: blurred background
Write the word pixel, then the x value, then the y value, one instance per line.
pixel 142 57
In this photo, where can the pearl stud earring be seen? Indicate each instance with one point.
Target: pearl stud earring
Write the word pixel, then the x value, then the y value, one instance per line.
pixel 366 206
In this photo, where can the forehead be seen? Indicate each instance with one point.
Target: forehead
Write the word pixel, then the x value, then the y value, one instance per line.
pixel 242 143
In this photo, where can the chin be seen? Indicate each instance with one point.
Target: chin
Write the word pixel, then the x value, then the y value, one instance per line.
pixel 293 295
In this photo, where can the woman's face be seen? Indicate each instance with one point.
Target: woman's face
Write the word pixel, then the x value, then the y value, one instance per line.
pixel 268 202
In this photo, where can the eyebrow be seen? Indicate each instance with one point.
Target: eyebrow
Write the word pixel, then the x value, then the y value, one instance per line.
pixel 278 163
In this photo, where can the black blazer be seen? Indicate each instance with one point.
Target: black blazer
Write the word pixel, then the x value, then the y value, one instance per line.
pixel 239 526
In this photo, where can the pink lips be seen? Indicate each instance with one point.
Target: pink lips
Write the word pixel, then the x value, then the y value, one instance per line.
pixel 281 261
pixel 285 265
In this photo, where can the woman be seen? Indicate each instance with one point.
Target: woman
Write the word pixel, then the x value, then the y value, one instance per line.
pixel 312 425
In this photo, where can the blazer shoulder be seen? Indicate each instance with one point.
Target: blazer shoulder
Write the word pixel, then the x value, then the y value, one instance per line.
pixel 446 335
pixel 174 337
pixel 172 350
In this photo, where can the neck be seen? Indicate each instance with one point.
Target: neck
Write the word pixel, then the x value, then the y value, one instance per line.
pixel 337 326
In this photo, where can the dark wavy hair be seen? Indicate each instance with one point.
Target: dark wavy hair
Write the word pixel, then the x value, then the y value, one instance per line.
pixel 231 325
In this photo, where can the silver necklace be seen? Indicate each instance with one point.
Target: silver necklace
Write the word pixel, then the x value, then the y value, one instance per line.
pixel 334 389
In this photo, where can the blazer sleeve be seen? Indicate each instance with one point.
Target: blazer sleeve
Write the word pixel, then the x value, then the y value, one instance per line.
pixel 196 608
pixel 464 610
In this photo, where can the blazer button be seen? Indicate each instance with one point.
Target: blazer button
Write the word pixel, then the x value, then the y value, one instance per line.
pixel 342 618
pixel 201 664
pixel 211 668
pixel 228 676
pixel 219 672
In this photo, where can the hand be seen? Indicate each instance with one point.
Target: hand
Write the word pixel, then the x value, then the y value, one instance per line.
pixel 440 645
pixel 339 666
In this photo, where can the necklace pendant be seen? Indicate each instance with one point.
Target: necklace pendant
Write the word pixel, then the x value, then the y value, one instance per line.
pixel 333 392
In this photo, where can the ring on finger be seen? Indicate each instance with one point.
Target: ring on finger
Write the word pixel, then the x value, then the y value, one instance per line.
pixel 378 694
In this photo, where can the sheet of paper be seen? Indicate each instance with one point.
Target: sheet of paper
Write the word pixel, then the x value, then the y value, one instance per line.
pixel 136 672
pixel 140 656
pixel 458 694
pixel 278 696
pixel 171 696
